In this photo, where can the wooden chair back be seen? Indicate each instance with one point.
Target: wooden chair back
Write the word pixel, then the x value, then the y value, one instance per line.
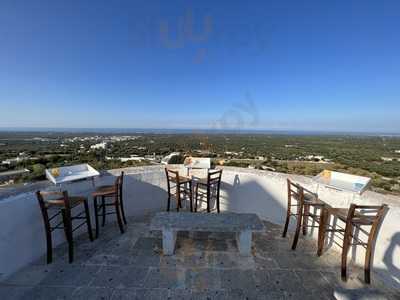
pixel 172 177
pixel 299 193
pixel 214 178
pixel 118 185
pixel 214 181
pixel 367 215
pixel 296 193
pixel 171 174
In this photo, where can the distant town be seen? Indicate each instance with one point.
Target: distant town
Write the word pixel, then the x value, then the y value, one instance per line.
pixel 24 156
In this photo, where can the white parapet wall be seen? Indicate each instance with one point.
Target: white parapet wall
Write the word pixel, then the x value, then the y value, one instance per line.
pixel 242 190
pixel 22 236
pixel 265 193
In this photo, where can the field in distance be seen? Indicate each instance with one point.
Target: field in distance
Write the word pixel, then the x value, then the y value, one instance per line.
pixel 377 157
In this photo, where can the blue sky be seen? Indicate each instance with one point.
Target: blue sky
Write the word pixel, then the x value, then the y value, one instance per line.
pixel 306 65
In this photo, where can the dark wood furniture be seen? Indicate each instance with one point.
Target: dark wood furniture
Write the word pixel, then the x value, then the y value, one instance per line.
pixel 364 219
pixel 54 204
pixel 178 187
pixel 211 185
pixel 113 194
pixel 302 200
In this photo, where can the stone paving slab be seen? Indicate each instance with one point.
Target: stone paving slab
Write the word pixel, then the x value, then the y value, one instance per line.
pixel 132 266
pixel 120 277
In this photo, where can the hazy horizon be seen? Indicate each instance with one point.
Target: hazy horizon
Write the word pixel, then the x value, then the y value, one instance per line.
pixel 191 130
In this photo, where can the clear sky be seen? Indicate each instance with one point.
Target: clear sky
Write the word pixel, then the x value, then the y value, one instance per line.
pixel 308 65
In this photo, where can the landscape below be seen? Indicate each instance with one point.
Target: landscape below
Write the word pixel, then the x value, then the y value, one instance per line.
pixel 30 153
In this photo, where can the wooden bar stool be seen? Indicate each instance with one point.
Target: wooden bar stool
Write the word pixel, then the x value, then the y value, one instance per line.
pixel 302 200
pixel 211 185
pixel 182 186
pixel 357 217
pixel 59 203
pixel 107 192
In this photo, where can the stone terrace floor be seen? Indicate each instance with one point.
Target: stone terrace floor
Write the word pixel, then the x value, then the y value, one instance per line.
pixel 205 266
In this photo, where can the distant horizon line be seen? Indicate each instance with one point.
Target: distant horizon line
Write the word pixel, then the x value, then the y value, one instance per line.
pixel 193 130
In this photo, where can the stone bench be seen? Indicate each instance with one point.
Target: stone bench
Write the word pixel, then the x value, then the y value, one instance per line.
pixel 172 222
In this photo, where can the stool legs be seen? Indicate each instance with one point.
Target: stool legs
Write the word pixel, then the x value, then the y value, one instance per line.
pixel 63 206
pixel 103 204
pixel 123 211
pixel 285 229
pixel 48 238
pixel 169 201
pixel 298 226
pixel 367 266
pixel 209 194
pixel 88 222
pixel 66 215
pixel 345 250
pixel 119 218
pixel 178 198
pixel 218 207
pixel 101 209
pixel 368 255
pixel 187 191
pixel 305 218
pixel 321 231
pixel 49 249
pixel 96 216
pixel 196 193
pixel 191 196
pixel 208 198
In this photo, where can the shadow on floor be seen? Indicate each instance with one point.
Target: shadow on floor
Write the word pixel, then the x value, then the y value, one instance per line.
pixel 204 266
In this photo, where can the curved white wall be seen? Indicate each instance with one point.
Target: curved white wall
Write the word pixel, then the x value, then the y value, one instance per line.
pixel 265 193
pixel 22 237
pixel 242 190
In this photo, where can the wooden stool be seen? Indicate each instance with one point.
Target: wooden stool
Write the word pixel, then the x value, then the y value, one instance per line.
pixel 113 192
pixel 303 203
pixel 213 181
pixel 356 217
pixel 183 187
pixel 61 203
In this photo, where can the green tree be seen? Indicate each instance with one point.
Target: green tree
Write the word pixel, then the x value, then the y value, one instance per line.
pixel 38 171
